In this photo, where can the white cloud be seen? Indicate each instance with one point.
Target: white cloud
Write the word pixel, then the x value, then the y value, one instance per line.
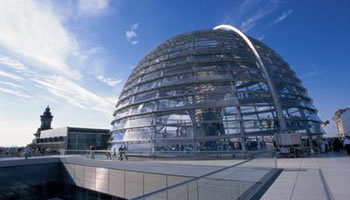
pixel 251 21
pixel 75 94
pixel 92 7
pixel 250 13
pixel 96 61
pixel 33 31
pixel 59 86
pixel 261 37
pixel 284 15
pixel 11 63
pixel 134 42
pixel 131 34
pixel 315 71
pixel 10 75
pixel 109 81
pixel 247 6
pixel 14 85
pixel 41 59
pixel 13 92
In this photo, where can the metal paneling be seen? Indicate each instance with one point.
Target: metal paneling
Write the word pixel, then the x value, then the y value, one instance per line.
pixel 180 192
pixel 75 173
pixel 89 178
pixel 102 177
pixel 70 171
pixel 192 190
pixel 172 180
pixel 116 183
pixel 133 184
pixel 205 189
pixel 154 182
pixel 79 175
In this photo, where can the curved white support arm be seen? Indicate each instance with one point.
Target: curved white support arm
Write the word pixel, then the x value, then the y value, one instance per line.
pixel 266 75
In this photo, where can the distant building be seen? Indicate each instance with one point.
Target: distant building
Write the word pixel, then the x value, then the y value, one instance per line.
pixel 68 138
pixel 46 119
pixel 342 120
pixel 73 138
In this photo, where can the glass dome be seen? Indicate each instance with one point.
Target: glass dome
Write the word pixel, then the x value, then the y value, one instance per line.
pixel 211 90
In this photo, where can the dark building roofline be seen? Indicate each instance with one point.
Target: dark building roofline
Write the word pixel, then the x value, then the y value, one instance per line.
pixel 87 129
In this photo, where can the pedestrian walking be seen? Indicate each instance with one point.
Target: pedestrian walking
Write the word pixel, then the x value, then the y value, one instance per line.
pixel 323 146
pixel 27 152
pixel 125 151
pixel 108 154
pixel 87 152
pixel 347 144
pixel 120 150
pixel 336 145
pixel 114 152
pixel 92 152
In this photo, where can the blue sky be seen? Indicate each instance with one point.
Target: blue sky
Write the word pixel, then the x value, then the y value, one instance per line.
pixel 76 55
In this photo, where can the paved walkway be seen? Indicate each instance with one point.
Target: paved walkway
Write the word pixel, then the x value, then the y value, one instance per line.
pixel 302 179
pixel 319 178
pixel 217 163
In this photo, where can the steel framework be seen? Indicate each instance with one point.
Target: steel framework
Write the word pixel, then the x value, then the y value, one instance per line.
pixel 206 90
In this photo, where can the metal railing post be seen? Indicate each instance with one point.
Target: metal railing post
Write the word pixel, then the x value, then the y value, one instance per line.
pixel 275 159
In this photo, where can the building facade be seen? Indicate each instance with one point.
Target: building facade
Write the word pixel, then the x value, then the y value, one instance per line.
pixel 342 121
pixel 45 119
pixel 211 90
pixel 67 138
pixel 73 138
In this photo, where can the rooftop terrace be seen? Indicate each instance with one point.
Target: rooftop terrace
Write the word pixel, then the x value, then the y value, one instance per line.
pixel 297 178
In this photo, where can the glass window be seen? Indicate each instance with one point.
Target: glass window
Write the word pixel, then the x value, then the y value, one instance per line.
pixel 231 124
pixel 214 98
pixel 251 126
pixel 148 107
pixel 118 135
pixel 122 113
pixel 148 86
pixel 247 109
pixel 205 43
pixel 176 69
pixel 144 133
pixel 119 124
pixel 250 117
pixel 176 91
pixel 145 96
pixel 123 103
pixel 204 74
pixel 180 117
pixel 150 76
pixel 202 88
pixel 174 131
pixel 178 60
pixel 174 102
pixel 209 114
pixel 230 110
pixel 145 120
pixel 213 128
pixel 143 108
pixel 177 78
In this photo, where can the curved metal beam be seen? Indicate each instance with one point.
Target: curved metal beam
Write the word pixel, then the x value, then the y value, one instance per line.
pixel 276 102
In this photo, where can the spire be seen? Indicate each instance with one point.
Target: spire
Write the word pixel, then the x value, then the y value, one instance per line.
pixel 46 119
pixel 47 112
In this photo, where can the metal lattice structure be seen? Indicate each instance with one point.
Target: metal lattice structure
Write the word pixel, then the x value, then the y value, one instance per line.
pixel 206 89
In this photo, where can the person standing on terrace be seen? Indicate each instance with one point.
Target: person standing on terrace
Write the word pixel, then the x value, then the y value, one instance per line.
pixel 27 152
pixel 347 144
